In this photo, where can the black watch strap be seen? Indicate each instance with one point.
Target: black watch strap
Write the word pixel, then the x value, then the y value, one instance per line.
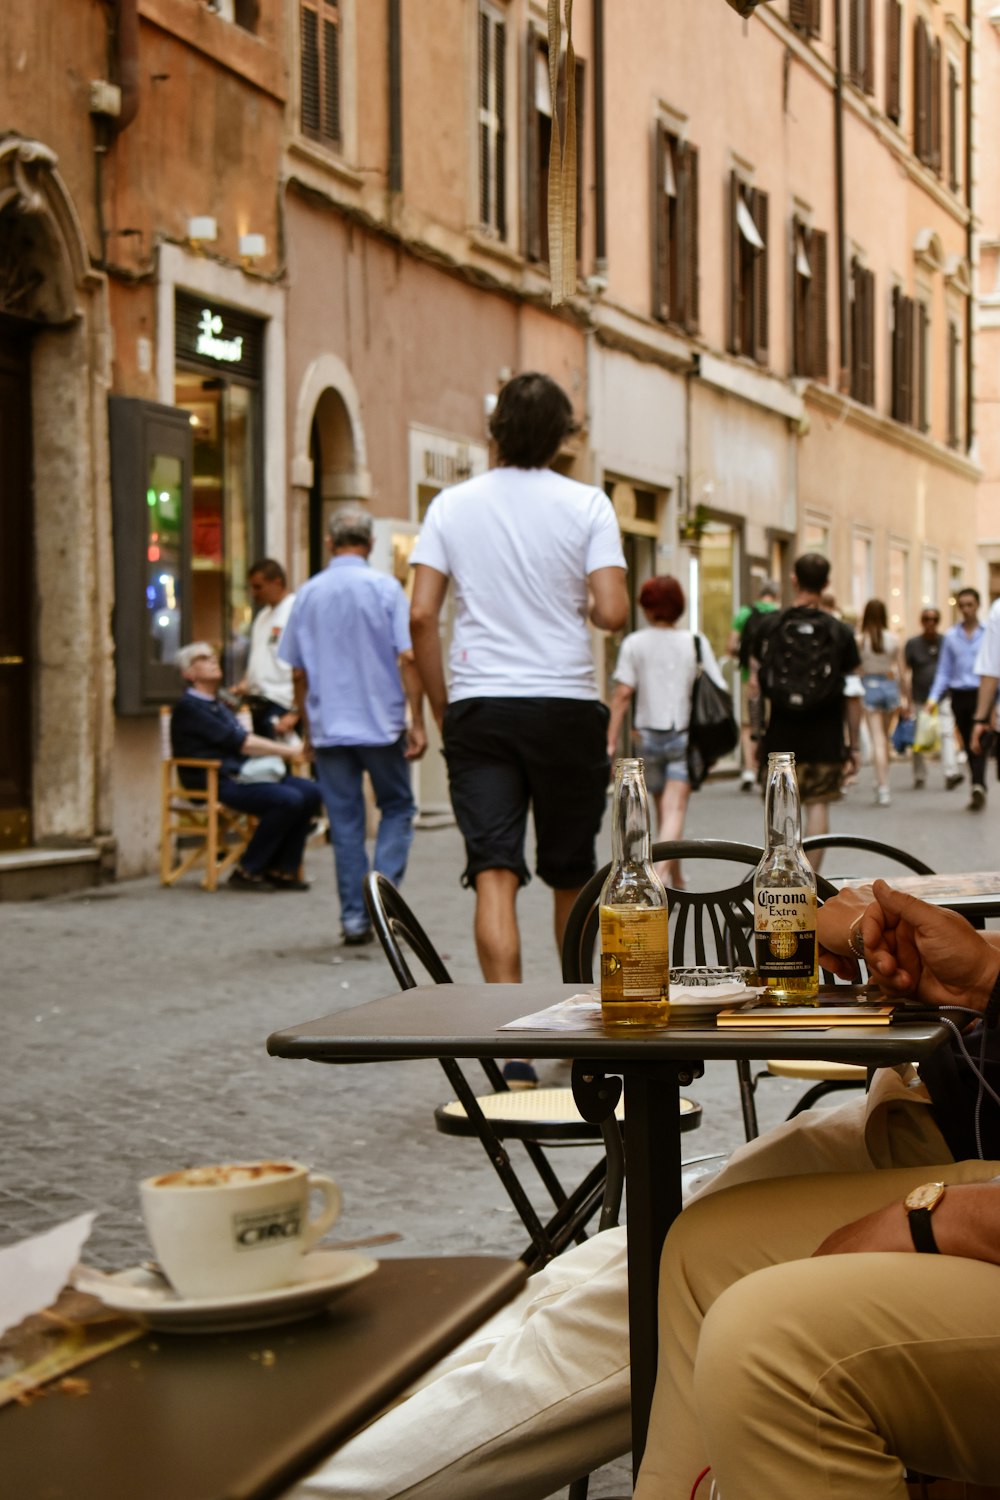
pixel 922 1231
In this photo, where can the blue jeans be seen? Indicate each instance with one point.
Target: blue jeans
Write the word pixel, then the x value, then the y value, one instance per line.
pixel 284 810
pixel 339 770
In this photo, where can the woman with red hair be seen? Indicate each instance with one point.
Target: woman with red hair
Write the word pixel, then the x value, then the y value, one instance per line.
pixel 655 672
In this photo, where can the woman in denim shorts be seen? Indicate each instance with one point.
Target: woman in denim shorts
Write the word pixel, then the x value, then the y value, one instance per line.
pixel 881 673
pixel 656 669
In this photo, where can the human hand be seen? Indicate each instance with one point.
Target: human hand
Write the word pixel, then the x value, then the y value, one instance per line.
pixel 286 722
pixel 917 949
pixel 416 742
pixel 885 1229
pixel 980 738
pixel 834 922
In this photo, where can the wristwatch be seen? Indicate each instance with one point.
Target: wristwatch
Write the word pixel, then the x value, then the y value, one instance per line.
pixel 856 938
pixel 919 1204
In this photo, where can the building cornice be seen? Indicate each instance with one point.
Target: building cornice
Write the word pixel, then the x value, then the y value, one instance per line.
pixel 749 383
pixel 617 327
pixel 853 414
pixel 256 61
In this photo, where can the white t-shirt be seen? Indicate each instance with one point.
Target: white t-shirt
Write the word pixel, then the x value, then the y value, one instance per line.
pixel 265 674
pixel 518 545
pixel 659 664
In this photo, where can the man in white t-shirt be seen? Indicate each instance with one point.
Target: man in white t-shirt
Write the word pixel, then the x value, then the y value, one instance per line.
pixel 532 556
pixel 267 684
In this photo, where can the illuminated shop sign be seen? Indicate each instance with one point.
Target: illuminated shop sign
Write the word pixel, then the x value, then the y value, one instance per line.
pixel 218 337
pixel 210 343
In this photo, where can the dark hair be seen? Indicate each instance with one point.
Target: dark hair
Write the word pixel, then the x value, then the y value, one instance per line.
pixel 967 590
pixel 662 598
pixel 873 622
pixel 269 569
pixel 532 419
pixel 812 571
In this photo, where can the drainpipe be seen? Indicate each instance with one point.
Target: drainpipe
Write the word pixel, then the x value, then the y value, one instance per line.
pixel 838 158
pixel 127 58
pixel 600 218
pixel 970 238
pixel 395 99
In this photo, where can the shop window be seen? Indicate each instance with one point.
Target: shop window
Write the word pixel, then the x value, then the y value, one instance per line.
pixel 242 13
pixel 809 301
pixel 862 333
pixel 861 44
pixel 675 210
pixel 538 138
pixel 747 261
pixel 894 60
pixel 319 71
pixel 804 16
pixel 492 122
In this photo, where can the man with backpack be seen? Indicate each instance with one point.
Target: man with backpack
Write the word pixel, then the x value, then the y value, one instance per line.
pixel 803 655
pixel 746 623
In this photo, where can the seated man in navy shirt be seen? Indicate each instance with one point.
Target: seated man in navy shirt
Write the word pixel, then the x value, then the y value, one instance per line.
pixel 204 729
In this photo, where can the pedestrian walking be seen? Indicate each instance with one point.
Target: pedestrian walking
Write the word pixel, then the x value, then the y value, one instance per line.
pixel 266 685
pixel 803 655
pixel 957 676
pixel 988 667
pixel 882 672
pixel 744 627
pixel 655 672
pixel 531 556
pixel 921 655
pixel 348 643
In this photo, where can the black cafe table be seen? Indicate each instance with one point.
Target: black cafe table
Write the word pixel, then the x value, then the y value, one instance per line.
pixel 465 1020
pixel 242 1415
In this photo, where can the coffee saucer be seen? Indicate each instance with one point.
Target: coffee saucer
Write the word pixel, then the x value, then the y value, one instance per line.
pixel 323 1275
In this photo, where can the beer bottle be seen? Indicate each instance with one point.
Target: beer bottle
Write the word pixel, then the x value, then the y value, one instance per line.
pixel 635 943
pixel 784 895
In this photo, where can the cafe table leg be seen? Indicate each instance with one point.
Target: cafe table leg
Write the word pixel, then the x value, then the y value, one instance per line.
pixel 653 1195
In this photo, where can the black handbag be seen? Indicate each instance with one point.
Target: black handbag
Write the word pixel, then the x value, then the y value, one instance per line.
pixel 712 729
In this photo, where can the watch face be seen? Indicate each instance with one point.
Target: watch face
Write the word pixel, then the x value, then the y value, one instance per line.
pixel 925 1196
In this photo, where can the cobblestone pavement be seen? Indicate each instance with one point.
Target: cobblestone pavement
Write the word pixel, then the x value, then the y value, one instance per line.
pixel 136 1017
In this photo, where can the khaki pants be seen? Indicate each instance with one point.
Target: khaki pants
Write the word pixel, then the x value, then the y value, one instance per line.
pixel 797 1378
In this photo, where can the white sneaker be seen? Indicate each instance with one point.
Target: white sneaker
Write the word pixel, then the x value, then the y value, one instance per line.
pixel 882 796
pixel 747 781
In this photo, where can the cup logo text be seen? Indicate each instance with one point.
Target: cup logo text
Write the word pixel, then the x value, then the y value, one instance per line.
pixel 269 1226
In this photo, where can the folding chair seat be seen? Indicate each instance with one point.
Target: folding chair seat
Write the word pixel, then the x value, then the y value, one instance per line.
pixel 196 830
pixel 823 1077
pixel 536 1118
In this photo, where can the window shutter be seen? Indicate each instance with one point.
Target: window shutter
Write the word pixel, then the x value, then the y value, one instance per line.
pixel 733 260
pixel 953 97
pixel 921 88
pixel 934 111
pixel 688 278
pixel 894 60
pixel 485 152
pixel 500 83
pixel 868 21
pixel 760 308
pixel 309 70
pixel 532 185
pixel 919 326
pixel 906 360
pixel 857 310
pixel 817 344
pixel 868 338
pixel 954 436
pixel 580 103
pixel 331 79
pixel 661 225
pixel 798 14
pixel 814 17
pixel 799 351
pixel 854 41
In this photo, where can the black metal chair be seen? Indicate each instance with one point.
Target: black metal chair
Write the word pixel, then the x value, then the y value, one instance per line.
pixel 537 1118
pixel 830 1077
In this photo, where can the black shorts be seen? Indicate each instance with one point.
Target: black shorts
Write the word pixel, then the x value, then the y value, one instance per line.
pixel 506 753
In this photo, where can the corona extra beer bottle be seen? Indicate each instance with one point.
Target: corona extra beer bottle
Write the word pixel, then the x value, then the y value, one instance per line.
pixel 784 895
pixel 635 939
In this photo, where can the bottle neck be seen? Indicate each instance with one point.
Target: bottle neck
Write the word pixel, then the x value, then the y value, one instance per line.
pixel 782 817
pixel 630 842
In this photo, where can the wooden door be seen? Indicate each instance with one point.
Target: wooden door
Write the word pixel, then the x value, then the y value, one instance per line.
pixel 15 589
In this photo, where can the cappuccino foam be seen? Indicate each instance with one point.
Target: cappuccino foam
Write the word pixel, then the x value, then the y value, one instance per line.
pixel 227 1174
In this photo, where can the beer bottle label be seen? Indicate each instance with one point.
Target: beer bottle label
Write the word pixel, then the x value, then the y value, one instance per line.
pixel 635 960
pixel 785 932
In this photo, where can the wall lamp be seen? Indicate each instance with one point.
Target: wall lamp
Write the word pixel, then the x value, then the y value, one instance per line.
pixel 202 229
pixel 252 247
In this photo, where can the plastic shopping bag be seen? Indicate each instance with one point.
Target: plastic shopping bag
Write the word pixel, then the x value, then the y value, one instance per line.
pixel 927 739
pixel 903 735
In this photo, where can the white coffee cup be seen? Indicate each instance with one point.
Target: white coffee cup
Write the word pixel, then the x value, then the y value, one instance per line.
pixel 237 1227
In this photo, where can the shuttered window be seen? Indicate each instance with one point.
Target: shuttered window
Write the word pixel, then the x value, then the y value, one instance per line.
pixel 910 368
pixel 861 44
pixel 954 114
pixel 805 16
pixel 862 333
pixel 491 95
pixel 675 211
pixel 894 60
pixel 809 301
pixel 538 138
pixel 747 263
pixel 954 352
pixel 926 96
pixel 319 70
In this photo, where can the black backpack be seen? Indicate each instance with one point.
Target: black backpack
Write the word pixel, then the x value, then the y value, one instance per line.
pixel 800 660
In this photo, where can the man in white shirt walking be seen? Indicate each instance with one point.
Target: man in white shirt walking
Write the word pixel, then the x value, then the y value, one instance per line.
pixel 532 556
pixel 267 683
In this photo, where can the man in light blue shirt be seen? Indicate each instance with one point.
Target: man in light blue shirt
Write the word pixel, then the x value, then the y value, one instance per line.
pixel 348 643
pixel 957 675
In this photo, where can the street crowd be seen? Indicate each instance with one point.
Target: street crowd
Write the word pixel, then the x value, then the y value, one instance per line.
pixel 820 1332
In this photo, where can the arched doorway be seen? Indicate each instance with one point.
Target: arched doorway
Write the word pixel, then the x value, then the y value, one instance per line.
pixel 335 478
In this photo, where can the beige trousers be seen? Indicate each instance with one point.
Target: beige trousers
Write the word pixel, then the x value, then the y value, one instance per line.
pixel 805 1379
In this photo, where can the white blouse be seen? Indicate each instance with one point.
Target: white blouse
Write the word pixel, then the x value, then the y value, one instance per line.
pixel 659 664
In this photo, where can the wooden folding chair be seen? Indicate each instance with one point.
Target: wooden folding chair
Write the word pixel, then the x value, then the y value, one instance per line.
pixel 196 829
